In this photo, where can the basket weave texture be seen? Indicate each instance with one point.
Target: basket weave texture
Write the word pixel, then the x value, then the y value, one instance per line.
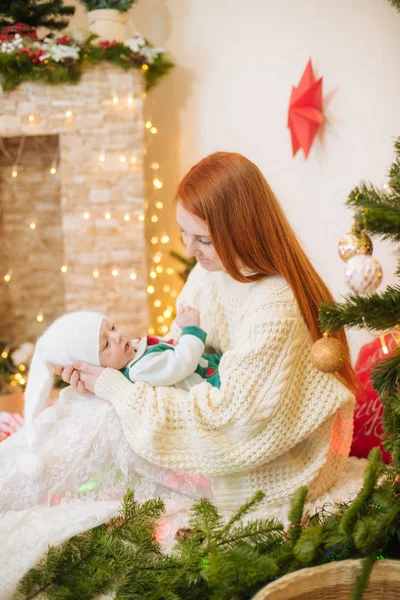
pixel 334 581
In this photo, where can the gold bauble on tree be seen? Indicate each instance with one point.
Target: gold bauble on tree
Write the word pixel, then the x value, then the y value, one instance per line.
pixel 353 243
pixel 328 354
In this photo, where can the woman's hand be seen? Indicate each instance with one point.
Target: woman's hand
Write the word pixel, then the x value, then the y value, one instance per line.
pixel 81 375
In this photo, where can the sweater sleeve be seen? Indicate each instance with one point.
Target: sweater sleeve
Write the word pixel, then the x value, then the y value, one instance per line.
pixel 170 365
pixel 271 399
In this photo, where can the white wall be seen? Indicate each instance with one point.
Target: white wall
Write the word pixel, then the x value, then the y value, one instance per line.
pixel 236 62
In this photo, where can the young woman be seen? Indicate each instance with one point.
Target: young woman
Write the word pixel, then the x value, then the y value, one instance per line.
pixel 276 422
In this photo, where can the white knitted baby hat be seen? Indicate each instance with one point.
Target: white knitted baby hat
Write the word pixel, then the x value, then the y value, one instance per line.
pixel 74 336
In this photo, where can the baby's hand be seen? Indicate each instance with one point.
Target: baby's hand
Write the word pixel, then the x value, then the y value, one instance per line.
pixel 187 316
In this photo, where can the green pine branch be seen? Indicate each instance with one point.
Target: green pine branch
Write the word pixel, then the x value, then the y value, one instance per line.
pixel 380 211
pixel 121 5
pixel 376 312
pixel 48 14
pixel 220 560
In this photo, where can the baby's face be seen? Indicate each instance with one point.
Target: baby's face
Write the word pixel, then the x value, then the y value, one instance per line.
pixel 115 348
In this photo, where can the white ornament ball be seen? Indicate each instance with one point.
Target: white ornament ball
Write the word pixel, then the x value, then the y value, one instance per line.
pixel 363 274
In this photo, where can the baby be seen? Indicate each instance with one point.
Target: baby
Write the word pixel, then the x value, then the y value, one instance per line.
pixel 92 337
pixel 160 362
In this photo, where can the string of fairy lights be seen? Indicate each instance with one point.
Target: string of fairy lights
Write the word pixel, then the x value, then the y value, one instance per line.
pixel 161 288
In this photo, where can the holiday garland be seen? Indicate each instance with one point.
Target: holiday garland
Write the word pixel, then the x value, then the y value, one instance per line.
pixel 62 59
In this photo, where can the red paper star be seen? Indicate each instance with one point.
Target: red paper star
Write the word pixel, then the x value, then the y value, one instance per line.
pixel 305 111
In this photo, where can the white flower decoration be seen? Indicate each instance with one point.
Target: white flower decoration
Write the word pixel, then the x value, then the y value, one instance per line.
pixel 135 44
pixel 59 52
pixel 150 54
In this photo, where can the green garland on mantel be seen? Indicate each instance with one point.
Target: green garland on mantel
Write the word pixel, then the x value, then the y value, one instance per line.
pixel 62 59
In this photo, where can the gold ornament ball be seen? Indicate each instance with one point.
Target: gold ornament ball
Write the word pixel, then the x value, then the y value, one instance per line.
pixel 353 243
pixel 328 355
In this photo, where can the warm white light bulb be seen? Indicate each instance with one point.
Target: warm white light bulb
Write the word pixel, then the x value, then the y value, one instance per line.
pixel 159 269
pixel 39 318
pixel 150 289
pixel 115 99
pixel 133 276
pixel 167 314
pixel 53 170
pixel 95 274
pixel 164 239
pixel 31 118
pixel 130 100
pixel 154 240
pixel 127 218
pixel 155 166
pixel 7 277
pixel 141 217
pixel 148 124
pixel 154 219
pixel 170 271
pixel 159 205
pixel 107 216
pixel 86 215
pixel 166 288
pixel 64 268
pixel 32 226
pixel 102 158
pixel 157 184
pixel 114 272
pixel 153 130
pixel 157 303
pixel 122 159
pixel 160 319
pixel 14 173
pixel 153 274
pixel 68 114
pixel 150 331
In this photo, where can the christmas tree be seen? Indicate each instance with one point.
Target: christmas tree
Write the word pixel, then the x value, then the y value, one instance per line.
pixel 377 213
pixel 35 13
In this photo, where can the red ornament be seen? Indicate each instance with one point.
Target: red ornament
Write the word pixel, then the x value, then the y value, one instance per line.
pixel 210 372
pixel 305 111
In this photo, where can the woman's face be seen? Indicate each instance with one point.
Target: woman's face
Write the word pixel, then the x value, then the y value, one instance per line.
pixel 196 237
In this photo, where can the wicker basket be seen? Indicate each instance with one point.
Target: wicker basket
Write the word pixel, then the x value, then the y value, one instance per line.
pixel 334 581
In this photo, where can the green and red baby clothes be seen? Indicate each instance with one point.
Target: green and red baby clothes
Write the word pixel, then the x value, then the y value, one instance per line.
pixel 160 362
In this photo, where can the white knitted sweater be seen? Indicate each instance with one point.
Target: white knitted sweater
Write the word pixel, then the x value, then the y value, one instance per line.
pixel 275 424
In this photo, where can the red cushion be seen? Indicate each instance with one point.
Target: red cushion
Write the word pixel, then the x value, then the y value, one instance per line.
pixel 368 410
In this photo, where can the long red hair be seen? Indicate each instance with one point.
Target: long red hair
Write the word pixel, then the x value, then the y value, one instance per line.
pixel 248 228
